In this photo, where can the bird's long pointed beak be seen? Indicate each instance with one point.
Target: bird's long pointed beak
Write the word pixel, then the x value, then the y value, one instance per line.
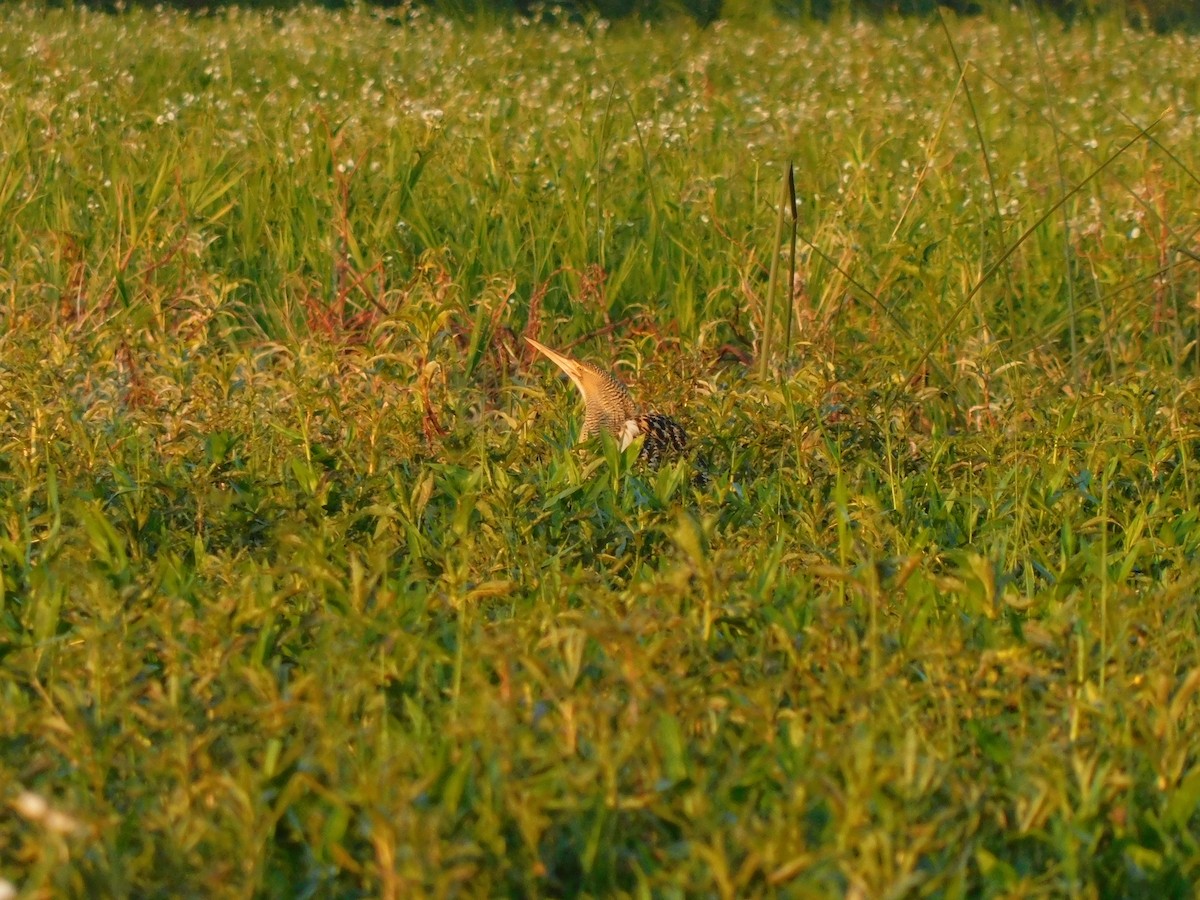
pixel 569 366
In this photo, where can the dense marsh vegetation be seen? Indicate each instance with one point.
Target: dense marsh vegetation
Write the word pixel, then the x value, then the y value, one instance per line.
pixel 305 592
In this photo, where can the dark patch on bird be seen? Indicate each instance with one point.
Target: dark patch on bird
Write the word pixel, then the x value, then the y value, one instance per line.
pixel 664 437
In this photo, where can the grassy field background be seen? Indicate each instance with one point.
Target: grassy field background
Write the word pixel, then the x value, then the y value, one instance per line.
pixel 306 592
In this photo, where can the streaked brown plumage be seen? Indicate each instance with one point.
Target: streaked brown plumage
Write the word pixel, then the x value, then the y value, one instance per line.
pixel 608 407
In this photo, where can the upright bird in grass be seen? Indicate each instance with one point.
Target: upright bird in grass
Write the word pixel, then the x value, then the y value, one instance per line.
pixel 608 407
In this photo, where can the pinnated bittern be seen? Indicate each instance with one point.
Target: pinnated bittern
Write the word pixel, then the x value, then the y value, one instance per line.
pixel 608 407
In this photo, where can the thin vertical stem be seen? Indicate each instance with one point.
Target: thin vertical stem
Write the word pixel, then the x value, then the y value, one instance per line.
pixel 790 199
pixel 764 350
pixel 1104 575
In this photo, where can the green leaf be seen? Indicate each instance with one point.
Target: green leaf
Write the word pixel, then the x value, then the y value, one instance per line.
pixel 672 749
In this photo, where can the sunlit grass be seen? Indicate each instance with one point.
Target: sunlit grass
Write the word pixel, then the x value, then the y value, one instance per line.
pixel 305 591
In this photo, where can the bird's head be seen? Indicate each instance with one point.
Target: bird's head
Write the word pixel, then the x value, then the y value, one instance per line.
pixel 606 401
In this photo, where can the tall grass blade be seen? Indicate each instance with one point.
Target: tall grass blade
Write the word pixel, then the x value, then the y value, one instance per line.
pixel 983 151
pixel 1068 255
pixel 790 197
pixel 764 349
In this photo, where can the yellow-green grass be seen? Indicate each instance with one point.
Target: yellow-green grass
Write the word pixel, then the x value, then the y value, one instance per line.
pixel 306 592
